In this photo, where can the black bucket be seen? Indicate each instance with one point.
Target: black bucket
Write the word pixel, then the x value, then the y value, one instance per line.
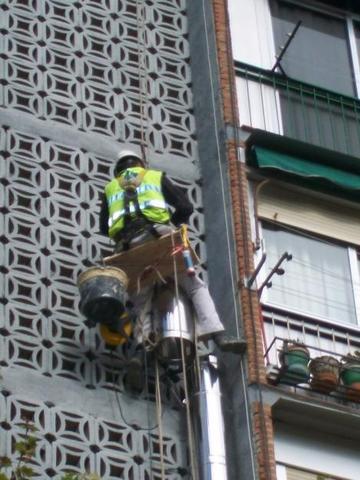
pixel 103 294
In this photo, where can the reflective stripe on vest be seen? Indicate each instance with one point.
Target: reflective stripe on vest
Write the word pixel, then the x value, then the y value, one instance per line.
pixel 132 209
pixel 141 189
pixel 149 195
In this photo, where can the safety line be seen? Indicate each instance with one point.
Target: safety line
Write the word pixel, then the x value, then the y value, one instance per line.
pixel 159 416
pixel 140 14
pixel 132 426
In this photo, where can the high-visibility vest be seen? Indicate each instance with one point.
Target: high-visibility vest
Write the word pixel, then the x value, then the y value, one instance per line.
pixel 150 198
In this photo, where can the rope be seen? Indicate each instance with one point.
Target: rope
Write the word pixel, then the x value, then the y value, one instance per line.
pixel 130 425
pixel 140 9
pixel 148 411
pixel 147 269
pixel 183 361
pixel 159 417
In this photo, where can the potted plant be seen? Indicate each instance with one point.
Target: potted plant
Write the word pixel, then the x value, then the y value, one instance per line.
pixel 324 372
pixel 294 359
pixel 350 375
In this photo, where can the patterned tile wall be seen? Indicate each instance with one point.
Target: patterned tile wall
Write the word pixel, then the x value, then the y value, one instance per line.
pixel 75 65
pixel 81 63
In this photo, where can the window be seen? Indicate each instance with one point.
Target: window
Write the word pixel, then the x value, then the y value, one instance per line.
pixel 320 52
pixel 305 451
pixel 320 279
pixel 322 234
pixel 325 53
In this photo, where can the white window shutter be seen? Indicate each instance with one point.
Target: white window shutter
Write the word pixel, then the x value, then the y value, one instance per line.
pixel 295 474
pixel 308 212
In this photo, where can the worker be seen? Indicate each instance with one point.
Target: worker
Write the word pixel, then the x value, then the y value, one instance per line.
pixel 134 210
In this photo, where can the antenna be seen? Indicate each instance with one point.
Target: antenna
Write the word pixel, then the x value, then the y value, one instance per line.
pixel 284 48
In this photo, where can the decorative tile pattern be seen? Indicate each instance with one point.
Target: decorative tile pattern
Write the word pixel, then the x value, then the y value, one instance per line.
pixel 76 64
pixel 71 441
pixel 82 63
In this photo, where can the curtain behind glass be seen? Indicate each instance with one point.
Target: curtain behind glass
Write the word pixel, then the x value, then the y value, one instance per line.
pixel 317 281
pixel 321 121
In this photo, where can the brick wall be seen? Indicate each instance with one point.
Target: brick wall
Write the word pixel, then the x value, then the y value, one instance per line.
pixel 250 308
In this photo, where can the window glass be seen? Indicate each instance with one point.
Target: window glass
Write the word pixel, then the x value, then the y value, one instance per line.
pixel 319 53
pixel 357 39
pixel 317 281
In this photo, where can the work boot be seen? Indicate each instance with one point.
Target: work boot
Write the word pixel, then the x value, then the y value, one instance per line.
pixel 134 379
pixel 229 343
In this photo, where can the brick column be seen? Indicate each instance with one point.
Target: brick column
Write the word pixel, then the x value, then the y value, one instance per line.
pixel 250 307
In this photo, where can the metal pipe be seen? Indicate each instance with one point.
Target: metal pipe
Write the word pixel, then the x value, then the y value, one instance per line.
pixel 211 435
pixel 176 326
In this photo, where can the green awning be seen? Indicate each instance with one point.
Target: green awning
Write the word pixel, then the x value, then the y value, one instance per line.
pixel 311 172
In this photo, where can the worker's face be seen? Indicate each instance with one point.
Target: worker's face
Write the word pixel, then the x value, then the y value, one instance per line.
pixel 127 162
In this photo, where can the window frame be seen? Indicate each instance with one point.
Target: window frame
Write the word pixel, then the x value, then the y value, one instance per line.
pixel 349 19
pixel 354 266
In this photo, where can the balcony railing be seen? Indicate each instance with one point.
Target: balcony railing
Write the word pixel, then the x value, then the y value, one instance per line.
pixel 329 344
pixel 275 103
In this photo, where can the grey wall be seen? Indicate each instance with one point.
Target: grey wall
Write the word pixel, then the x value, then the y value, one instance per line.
pixel 221 264
pixel 69 100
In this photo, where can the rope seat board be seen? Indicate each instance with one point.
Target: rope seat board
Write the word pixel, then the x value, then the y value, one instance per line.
pixel 148 262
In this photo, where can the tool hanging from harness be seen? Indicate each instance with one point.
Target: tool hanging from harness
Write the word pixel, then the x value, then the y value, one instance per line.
pixel 186 252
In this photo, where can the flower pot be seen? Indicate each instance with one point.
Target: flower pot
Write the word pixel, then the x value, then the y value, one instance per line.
pixel 324 373
pixel 350 376
pixel 294 359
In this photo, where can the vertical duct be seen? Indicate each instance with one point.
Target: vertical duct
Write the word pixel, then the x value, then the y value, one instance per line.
pixel 175 317
pixel 211 435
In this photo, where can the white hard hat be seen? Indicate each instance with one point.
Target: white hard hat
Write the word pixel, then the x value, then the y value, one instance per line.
pixel 128 153
pixel 123 159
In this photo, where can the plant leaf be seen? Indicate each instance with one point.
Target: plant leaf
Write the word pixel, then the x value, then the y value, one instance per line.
pixel 24 471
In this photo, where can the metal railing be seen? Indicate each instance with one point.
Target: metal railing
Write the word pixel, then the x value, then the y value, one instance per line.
pixel 275 103
pixel 340 339
pixel 325 342
pixel 313 370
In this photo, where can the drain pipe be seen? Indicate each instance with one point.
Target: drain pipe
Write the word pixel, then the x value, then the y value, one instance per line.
pixel 211 435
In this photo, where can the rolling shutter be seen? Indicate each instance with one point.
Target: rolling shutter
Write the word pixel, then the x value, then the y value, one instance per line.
pixel 295 474
pixel 309 213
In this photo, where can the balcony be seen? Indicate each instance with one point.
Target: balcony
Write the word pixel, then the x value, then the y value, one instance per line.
pixel 277 104
pixel 328 344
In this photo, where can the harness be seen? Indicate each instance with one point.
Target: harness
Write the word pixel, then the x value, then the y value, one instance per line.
pixel 135 222
pixel 129 185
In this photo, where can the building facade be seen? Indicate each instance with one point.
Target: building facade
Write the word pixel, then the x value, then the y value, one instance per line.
pixel 81 80
pixel 251 106
pixel 294 140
